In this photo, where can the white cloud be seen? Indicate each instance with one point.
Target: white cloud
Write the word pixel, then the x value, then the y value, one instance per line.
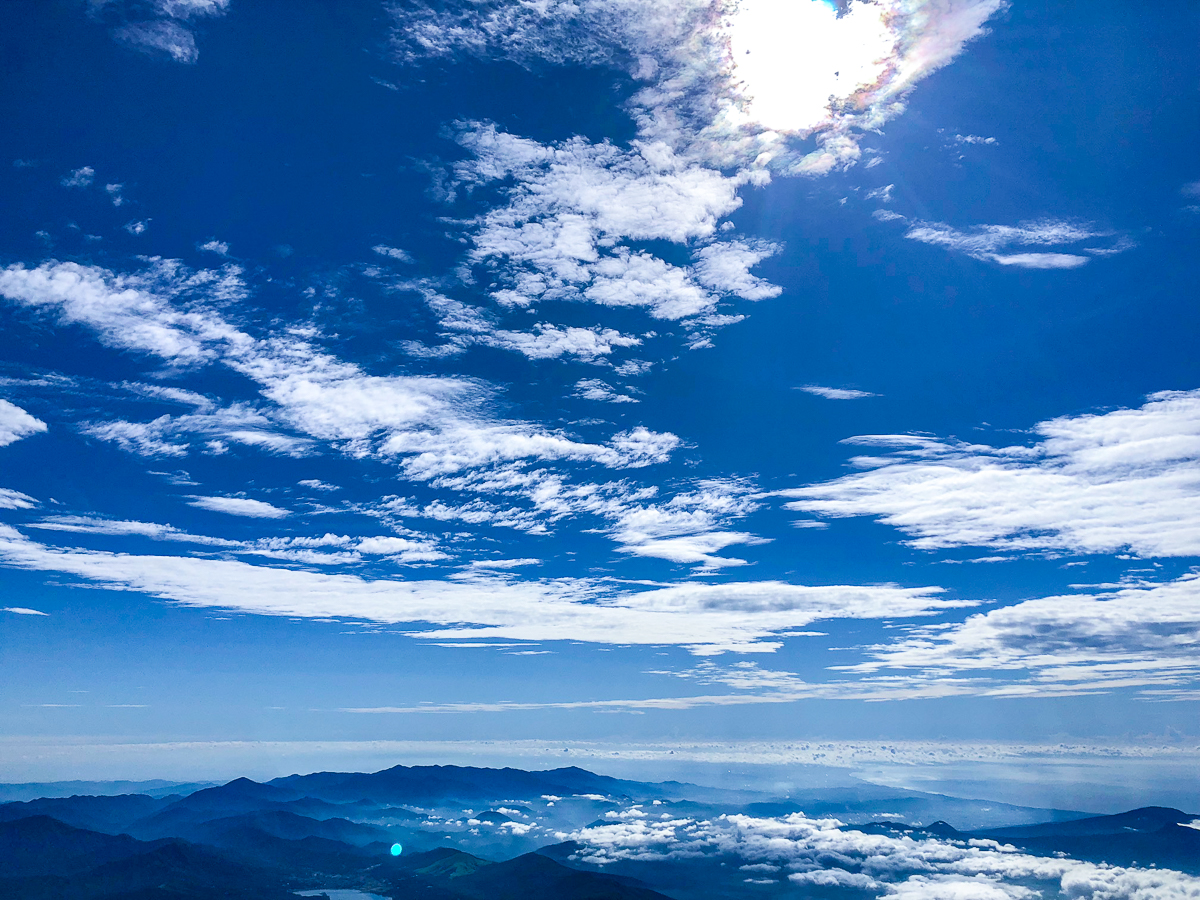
pixel 184 9
pixel 327 549
pixel 560 233
pixel 160 37
pixel 10 499
pixel 595 389
pixel 632 368
pixel 157 28
pixel 835 393
pixel 220 248
pixel 1143 638
pixel 1127 479
pixel 317 485
pixel 975 139
pixel 504 563
pixel 882 194
pixel 705 618
pixel 138 226
pixel 694 549
pixel 703 93
pixel 990 242
pixel 114 193
pixel 15 424
pixel 239 506
pixel 570 209
pixel 81 177
pixel 625 278
pixel 393 253
pixel 132 311
pixel 23 611
pixel 124 528
pixel 726 267
pixel 432 426
pixel 1040 260
pixel 550 342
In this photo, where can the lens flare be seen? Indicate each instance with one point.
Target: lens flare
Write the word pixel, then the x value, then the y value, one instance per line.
pixel 397 849
pixel 793 57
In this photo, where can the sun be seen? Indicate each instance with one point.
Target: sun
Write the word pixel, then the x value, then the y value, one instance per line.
pixel 792 56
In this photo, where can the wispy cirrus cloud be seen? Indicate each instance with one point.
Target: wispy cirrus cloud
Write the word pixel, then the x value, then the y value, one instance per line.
pixel 706 619
pixel 10 499
pixel 1122 480
pixel 995 243
pixel 162 28
pixel 1144 638
pixel 328 549
pixel 431 425
pixel 831 393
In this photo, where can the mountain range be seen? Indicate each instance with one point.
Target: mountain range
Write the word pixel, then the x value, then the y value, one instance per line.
pixel 492 834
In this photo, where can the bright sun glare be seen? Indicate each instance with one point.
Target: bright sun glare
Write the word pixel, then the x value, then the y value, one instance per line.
pixel 792 55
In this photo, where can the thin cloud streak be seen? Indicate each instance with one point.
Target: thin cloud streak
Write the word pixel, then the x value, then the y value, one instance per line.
pixel 706 619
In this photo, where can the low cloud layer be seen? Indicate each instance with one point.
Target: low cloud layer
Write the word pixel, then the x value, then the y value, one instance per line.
pixel 816 853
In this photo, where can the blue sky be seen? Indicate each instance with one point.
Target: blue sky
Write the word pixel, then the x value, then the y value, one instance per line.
pixel 643 371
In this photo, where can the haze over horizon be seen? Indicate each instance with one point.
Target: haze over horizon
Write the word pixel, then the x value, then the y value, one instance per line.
pixel 686 385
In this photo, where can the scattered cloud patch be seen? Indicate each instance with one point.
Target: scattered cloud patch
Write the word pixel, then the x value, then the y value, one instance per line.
pixel 882 194
pixel 79 178
pixel 16 423
pixel 830 393
pixel 1142 638
pixel 975 139
pixel 23 611
pixel 393 253
pixel 239 506
pixel 315 484
pixel 1103 483
pixel 596 389
pixel 10 499
pixel 220 248
pixel 161 28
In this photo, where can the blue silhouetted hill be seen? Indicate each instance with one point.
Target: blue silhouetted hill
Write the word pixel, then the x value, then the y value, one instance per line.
pixel 40 845
pixel 44 859
pixel 430 784
pixel 1151 835
pixel 113 814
